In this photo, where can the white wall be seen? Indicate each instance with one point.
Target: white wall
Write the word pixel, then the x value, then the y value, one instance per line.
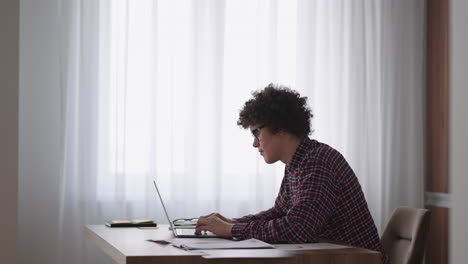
pixel 9 26
pixel 39 132
pixel 458 154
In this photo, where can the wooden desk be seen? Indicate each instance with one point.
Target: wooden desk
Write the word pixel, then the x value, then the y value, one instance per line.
pixel 129 246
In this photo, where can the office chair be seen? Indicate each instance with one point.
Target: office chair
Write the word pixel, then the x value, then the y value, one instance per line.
pixel 404 237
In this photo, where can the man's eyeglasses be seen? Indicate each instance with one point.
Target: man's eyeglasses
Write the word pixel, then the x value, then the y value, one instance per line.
pixel 256 131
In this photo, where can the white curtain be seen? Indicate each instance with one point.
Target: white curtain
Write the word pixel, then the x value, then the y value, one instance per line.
pixel 152 89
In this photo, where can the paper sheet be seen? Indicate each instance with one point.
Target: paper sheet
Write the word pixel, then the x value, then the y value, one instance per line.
pixel 216 243
pixel 219 243
pixel 245 253
pixel 309 246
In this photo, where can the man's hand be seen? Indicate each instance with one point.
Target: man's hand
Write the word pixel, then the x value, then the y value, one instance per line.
pixel 215 223
pixel 229 220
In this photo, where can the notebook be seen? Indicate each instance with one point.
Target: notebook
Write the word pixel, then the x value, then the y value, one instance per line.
pixel 181 233
pixel 132 223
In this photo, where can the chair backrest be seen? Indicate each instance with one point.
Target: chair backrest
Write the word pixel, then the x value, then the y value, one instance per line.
pixel 404 237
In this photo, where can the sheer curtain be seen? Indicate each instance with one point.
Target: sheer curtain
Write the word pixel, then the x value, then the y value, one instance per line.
pixel 152 89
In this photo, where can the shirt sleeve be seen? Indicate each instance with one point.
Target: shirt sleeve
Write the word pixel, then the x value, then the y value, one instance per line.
pixel 271 213
pixel 312 204
pixel 278 210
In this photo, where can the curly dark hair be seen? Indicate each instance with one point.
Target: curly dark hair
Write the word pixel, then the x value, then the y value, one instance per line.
pixel 278 107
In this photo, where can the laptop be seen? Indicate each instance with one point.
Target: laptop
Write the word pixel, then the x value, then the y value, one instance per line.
pixel 182 233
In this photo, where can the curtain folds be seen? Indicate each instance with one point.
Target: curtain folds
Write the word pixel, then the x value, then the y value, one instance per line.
pixel 152 90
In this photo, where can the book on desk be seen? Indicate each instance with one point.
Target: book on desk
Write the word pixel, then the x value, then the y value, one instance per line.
pixel 131 223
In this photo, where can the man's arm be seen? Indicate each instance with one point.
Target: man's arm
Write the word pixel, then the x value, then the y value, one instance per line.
pixel 222 226
pixel 313 204
pixel 271 213
pixel 277 211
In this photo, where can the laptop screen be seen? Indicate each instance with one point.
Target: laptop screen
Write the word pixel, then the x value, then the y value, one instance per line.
pixel 165 211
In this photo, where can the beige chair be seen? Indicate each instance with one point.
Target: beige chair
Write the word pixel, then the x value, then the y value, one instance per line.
pixel 404 237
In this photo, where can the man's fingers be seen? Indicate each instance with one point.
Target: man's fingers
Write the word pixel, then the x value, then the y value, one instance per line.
pixel 206 216
pixel 214 224
pixel 207 223
pixel 202 225
pixel 203 216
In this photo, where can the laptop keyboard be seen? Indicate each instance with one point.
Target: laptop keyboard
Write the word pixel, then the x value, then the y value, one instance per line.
pixel 192 232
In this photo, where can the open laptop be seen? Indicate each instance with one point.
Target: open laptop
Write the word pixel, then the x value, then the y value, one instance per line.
pixel 182 233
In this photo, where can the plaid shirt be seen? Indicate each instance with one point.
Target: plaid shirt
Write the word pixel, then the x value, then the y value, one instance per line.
pixel 320 198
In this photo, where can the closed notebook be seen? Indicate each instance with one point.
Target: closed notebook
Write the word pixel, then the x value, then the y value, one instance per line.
pixel 132 223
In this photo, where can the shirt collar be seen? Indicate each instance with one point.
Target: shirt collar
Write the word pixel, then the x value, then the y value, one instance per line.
pixel 301 151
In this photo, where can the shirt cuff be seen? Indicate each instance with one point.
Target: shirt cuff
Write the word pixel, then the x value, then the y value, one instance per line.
pixel 237 229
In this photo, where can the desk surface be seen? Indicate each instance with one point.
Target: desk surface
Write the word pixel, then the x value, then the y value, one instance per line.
pixel 129 246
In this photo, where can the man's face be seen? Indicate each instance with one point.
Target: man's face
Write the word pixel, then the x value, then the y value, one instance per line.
pixel 268 144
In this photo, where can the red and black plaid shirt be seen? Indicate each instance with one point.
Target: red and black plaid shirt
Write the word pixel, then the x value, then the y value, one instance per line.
pixel 320 197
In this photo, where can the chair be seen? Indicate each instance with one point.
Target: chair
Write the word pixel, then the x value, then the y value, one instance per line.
pixel 404 237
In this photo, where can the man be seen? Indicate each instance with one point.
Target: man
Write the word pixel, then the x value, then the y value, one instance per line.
pixel 320 197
